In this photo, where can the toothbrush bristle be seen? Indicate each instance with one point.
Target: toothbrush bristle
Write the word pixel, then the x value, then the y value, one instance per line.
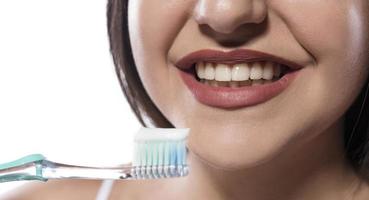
pixel 160 153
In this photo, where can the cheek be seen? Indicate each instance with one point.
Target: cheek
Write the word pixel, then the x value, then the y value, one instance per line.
pixel 151 37
pixel 149 26
pixel 319 26
pixel 337 36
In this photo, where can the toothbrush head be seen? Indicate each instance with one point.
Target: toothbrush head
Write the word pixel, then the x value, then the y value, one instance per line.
pixel 160 153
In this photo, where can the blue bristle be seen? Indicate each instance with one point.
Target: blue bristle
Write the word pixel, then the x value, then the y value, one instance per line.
pixel 149 154
pixel 173 154
pixel 167 154
pixel 155 154
pixel 160 156
pixel 179 153
pixel 184 153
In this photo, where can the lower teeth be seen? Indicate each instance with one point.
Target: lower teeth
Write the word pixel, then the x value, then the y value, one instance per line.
pixel 234 84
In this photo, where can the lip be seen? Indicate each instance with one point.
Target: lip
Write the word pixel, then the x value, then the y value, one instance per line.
pixel 232 57
pixel 227 97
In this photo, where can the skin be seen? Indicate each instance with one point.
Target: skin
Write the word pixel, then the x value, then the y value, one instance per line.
pixel 289 147
pixel 266 151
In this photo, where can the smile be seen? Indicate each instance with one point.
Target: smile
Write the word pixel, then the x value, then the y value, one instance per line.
pixel 237 78
pixel 240 74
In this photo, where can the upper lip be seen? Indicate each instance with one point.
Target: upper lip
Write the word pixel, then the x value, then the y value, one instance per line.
pixel 231 57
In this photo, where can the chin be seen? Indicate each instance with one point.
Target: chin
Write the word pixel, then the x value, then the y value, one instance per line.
pixel 242 153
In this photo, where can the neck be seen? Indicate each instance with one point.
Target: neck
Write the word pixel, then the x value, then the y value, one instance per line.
pixel 312 170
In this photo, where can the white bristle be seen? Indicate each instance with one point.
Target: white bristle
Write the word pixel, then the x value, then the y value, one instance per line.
pixel 161 134
pixel 160 153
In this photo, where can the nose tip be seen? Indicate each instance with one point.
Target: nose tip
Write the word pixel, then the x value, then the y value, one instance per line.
pixel 225 16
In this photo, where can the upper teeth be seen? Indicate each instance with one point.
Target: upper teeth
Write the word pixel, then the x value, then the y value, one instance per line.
pixel 237 72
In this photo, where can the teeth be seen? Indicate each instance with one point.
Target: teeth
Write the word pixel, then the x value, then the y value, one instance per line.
pixel 233 84
pixel 214 83
pixel 256 71
pixel 200 69
pixel 277 70
pixel 268 71
pixel 240 72
pixel 223 84
pixel 209 71
pixel 245 83
pixel 257 82
pixel 223 72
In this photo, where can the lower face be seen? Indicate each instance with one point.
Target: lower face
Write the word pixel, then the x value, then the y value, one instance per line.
pixel 328 39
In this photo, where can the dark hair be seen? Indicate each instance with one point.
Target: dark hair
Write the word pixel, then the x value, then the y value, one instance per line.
pixel 356 118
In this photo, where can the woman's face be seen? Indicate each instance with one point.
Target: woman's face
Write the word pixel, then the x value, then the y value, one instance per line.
pixel 329 39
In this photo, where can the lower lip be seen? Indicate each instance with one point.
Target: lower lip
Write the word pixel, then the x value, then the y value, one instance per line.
pixel 227 97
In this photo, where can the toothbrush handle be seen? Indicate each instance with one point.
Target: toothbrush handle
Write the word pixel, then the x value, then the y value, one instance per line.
pixel 53 170
pixel 29 171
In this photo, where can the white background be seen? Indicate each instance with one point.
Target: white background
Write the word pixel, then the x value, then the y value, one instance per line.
pixel 59 94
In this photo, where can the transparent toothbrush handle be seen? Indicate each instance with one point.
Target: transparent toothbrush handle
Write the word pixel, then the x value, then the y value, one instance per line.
pixel 58 171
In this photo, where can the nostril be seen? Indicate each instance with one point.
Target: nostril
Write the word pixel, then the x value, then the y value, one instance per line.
pixel 226 16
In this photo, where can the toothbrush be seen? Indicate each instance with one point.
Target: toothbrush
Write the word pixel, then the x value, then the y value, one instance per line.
pixel 158 153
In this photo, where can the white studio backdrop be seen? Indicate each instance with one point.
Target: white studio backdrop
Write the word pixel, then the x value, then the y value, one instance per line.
pixel 59 94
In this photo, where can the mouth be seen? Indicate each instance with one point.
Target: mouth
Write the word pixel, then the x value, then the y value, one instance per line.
pixel 237 78
pixel 238 74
